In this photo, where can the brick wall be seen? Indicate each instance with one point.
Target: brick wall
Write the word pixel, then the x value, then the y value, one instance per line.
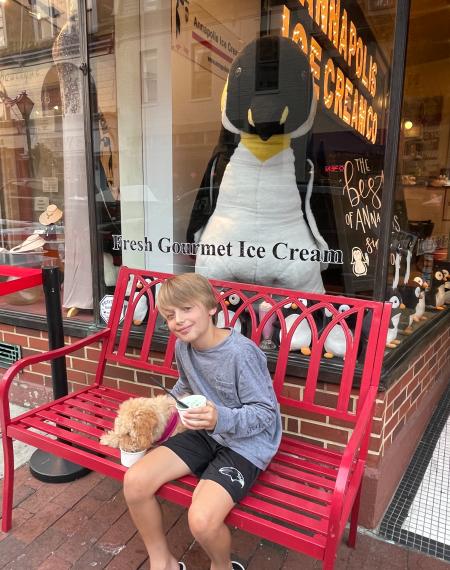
pixel 393 408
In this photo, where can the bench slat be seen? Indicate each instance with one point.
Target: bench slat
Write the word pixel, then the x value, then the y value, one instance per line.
pixel 119 395
pixel 312 452
pixel 295 474
pixel 294 486
pixel 303 464
pixel 72 412
pixel 71 453
pixel 68 423
pixel 285 515
pixel 90 408
pixel 72 437
pixel 284 536
pixel 262 491
pixel 88 397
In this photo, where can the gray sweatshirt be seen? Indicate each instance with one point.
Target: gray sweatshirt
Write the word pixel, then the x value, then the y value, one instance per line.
pixel 234 376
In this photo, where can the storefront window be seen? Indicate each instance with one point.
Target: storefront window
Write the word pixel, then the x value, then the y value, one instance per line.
pixel 421 225
pixel 220 117
pixel 43 193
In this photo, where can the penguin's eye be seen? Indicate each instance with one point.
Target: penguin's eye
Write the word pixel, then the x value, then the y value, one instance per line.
pixel 417 292
pixel 439 275
pixel 395 302
pixel 327 312
pixel 238 71
pixel 343 308
pixel 418 280
pixel 234 299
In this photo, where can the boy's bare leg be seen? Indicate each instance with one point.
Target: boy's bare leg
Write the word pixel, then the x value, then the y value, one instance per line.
pixel 211 504
pixel 141 482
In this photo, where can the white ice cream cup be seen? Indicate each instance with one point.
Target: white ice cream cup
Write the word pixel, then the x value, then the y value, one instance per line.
pixel 194 401
pixel 129 458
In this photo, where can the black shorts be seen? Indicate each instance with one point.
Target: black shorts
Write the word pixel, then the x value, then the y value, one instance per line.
pixel 207 459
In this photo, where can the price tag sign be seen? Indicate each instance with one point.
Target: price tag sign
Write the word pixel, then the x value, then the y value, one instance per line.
pixel 105 308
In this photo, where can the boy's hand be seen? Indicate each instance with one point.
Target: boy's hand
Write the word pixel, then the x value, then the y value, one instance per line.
pixel 201 418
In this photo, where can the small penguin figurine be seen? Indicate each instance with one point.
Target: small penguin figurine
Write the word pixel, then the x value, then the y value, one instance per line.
pixel 393 296
pixel 410 297
pixel 233 303
pixel 435 296
pixel 301 339
pixel 141 309
pixel 447 286
pixel 336 342
pixel 420 307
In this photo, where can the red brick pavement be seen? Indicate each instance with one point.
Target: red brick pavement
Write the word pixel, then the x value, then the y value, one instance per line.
pixel 85 524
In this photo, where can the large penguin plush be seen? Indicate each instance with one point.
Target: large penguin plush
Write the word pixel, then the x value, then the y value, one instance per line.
pixel 268 100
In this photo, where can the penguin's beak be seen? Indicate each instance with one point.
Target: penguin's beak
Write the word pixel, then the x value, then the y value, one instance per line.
pixel 267 128
pixel 227 302
pixel 402 306
pixel 294 307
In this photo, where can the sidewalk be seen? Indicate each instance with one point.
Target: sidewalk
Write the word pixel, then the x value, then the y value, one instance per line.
pixel 85 524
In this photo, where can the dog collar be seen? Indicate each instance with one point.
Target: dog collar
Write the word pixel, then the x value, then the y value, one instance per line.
pixel 170 428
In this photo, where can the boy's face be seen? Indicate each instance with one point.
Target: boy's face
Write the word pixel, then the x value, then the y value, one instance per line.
pixel 191 323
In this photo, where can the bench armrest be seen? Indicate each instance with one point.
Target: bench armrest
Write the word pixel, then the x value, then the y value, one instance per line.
pixel 13 370
pixel 362 425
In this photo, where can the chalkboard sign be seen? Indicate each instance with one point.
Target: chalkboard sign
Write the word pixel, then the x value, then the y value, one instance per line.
pixel 357 185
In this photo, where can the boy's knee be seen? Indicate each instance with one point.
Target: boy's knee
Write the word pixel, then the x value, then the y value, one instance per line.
pixel 137 486
pixel 201 523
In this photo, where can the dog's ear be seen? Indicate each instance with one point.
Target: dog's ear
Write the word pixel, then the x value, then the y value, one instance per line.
pixel 110 438
pixel 145 423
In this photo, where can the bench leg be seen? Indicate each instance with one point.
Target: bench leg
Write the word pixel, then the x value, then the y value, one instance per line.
pixel 330 558
pixel 8 482
pixel 354 519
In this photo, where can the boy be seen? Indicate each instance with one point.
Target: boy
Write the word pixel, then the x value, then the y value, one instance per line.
pixel 228 441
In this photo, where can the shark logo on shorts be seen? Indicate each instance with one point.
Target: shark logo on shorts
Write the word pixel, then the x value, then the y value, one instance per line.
pixel 235 475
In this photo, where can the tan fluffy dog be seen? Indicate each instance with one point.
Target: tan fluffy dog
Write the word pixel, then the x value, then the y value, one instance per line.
pixel 140 422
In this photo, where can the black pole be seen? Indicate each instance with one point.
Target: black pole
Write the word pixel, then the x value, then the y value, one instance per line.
pixel 52 287
pixel 45 466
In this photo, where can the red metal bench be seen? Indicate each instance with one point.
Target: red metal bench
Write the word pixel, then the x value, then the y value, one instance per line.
pixel 306 496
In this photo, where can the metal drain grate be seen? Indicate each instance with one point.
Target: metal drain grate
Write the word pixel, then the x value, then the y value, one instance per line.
pixel 9 353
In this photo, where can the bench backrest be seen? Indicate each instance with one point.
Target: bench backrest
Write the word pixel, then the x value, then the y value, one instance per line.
pixel 362 323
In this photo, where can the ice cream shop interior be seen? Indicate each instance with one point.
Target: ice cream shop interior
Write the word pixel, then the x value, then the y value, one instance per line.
pixel 130 134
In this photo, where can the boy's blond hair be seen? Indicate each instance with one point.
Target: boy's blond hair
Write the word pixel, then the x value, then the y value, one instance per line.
pixel 185 289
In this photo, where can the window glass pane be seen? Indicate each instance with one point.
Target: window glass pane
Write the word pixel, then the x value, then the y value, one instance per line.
pixel 226 194
pixel 43 196
pixel 421 222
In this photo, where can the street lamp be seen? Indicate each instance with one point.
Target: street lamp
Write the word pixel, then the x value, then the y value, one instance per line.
pixel 25 106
